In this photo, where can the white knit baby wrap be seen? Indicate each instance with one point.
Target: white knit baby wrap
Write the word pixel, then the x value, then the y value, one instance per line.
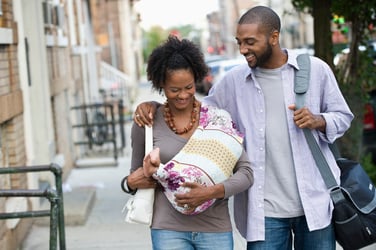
pixel 208 157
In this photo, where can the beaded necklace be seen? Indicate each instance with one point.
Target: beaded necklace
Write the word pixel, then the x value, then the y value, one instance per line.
pixel 169 118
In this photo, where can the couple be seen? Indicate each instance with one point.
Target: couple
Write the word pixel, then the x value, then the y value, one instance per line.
pixel 288 196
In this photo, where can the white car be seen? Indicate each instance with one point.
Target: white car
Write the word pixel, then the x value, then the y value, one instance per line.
pixel 342 55
pixel 219 68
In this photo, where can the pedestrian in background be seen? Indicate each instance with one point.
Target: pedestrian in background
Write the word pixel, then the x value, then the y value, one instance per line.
pixel 289 204
pixel 173 69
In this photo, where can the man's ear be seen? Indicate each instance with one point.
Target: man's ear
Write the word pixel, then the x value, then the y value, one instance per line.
pixel 274 38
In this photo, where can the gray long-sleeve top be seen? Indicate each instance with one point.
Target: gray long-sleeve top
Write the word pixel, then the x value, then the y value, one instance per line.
pixel 216 218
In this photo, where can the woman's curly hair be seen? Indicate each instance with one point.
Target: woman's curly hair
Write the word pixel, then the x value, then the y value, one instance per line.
pixel 175 54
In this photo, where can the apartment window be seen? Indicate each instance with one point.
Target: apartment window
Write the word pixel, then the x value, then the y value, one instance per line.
pixel 47 13
pixel 54 23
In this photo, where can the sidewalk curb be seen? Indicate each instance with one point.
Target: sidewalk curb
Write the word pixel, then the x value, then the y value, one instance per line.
pixel 78 204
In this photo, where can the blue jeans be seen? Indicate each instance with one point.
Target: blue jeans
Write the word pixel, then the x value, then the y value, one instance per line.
pixel 279 236
pixel 174 240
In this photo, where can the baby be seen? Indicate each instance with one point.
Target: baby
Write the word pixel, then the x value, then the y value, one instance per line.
pixel 208 158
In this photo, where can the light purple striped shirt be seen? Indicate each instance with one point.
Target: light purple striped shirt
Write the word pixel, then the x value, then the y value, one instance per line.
pixel 240 94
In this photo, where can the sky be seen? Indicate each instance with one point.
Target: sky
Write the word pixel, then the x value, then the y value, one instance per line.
pixel 167 13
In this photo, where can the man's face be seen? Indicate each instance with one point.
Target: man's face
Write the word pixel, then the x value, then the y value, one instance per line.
pixel 254 45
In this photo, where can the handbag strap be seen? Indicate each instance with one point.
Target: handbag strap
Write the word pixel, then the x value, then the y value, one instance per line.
pixel 148 139
pixel 301 84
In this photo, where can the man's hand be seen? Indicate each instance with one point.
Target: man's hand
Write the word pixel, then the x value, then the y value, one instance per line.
pixel 144 114
pixel 303 118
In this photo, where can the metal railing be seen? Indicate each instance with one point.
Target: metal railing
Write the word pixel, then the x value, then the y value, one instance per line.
pixel 98 121
pixel 55 197
pixel 115 83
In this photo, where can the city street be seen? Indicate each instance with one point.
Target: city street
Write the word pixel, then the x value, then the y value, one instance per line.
pixel 105 228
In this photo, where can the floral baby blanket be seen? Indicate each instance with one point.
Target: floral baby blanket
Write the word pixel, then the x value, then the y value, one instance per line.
pixel 208 157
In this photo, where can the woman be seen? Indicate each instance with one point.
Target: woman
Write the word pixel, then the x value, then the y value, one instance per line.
pixel 173 68
pixel 208 158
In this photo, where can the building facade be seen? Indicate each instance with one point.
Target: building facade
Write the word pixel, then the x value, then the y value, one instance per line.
pixel 51 52
pixel 296 28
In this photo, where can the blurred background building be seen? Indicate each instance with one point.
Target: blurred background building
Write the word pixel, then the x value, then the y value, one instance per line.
pixel 296 32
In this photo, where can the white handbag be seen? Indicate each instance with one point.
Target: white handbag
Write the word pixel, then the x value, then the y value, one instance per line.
pixel 140 205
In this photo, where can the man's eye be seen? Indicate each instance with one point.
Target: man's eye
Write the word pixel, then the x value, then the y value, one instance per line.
pixel 250 42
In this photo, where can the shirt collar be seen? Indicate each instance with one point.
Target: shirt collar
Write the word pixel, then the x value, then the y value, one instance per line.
pixel 291 58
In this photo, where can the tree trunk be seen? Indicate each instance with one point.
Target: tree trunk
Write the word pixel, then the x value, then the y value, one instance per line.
pixel 322 17
pixel 350 80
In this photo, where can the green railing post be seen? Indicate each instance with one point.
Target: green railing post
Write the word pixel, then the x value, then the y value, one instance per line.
pixel 56 169
pixel 54 220
pixel 55 198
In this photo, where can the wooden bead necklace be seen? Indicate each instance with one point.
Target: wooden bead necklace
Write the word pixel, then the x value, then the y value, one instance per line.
pixel 169 118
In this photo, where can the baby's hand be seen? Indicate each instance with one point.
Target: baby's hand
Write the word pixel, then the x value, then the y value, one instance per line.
pixel 151 162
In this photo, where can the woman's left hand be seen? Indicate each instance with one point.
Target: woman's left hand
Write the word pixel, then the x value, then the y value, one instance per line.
pixel 197 195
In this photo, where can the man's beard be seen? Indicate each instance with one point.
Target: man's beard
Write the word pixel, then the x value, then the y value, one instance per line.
pixel 264 57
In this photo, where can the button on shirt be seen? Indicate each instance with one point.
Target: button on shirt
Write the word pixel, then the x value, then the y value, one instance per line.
pixel 240 94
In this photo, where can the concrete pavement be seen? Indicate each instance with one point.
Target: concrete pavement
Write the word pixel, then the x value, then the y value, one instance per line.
pixel 98 221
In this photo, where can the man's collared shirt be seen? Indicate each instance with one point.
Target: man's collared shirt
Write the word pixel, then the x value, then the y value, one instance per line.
pixel 240 94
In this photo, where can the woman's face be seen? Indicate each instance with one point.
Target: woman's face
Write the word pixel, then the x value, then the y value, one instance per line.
pixel 179 88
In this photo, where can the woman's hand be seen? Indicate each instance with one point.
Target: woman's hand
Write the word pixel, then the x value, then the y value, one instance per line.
pixel 151 162
pixel 144 114
pixel 198 195
pixel 137 180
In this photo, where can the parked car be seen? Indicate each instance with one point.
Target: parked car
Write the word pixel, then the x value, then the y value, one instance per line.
pixel 369 126
pixel 215 58
pixel 217 69
pixel 204 86
pixel 342 55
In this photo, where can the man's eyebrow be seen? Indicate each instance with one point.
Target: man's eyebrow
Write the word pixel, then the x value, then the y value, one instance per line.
pixel 245 39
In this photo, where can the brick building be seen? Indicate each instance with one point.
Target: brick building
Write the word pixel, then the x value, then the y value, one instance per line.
pixel 51 52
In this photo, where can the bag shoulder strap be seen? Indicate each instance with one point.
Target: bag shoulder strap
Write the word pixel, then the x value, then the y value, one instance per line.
pixel 148 139
pixel 301 85
pixel 301 80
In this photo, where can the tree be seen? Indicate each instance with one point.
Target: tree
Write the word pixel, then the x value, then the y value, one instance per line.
pixel 152 38
pixel 322 15
pixel 156 35
pixel 352 75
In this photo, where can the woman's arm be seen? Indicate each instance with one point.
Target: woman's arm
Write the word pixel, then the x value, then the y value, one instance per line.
pixel 136 179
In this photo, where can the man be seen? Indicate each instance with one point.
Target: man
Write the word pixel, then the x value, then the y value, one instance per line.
pixel 289 196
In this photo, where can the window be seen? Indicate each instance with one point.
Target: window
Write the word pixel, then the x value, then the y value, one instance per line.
pixel 47 13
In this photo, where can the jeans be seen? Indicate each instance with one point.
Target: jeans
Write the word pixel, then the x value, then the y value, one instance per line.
pixel 174 240
pixel 281 232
